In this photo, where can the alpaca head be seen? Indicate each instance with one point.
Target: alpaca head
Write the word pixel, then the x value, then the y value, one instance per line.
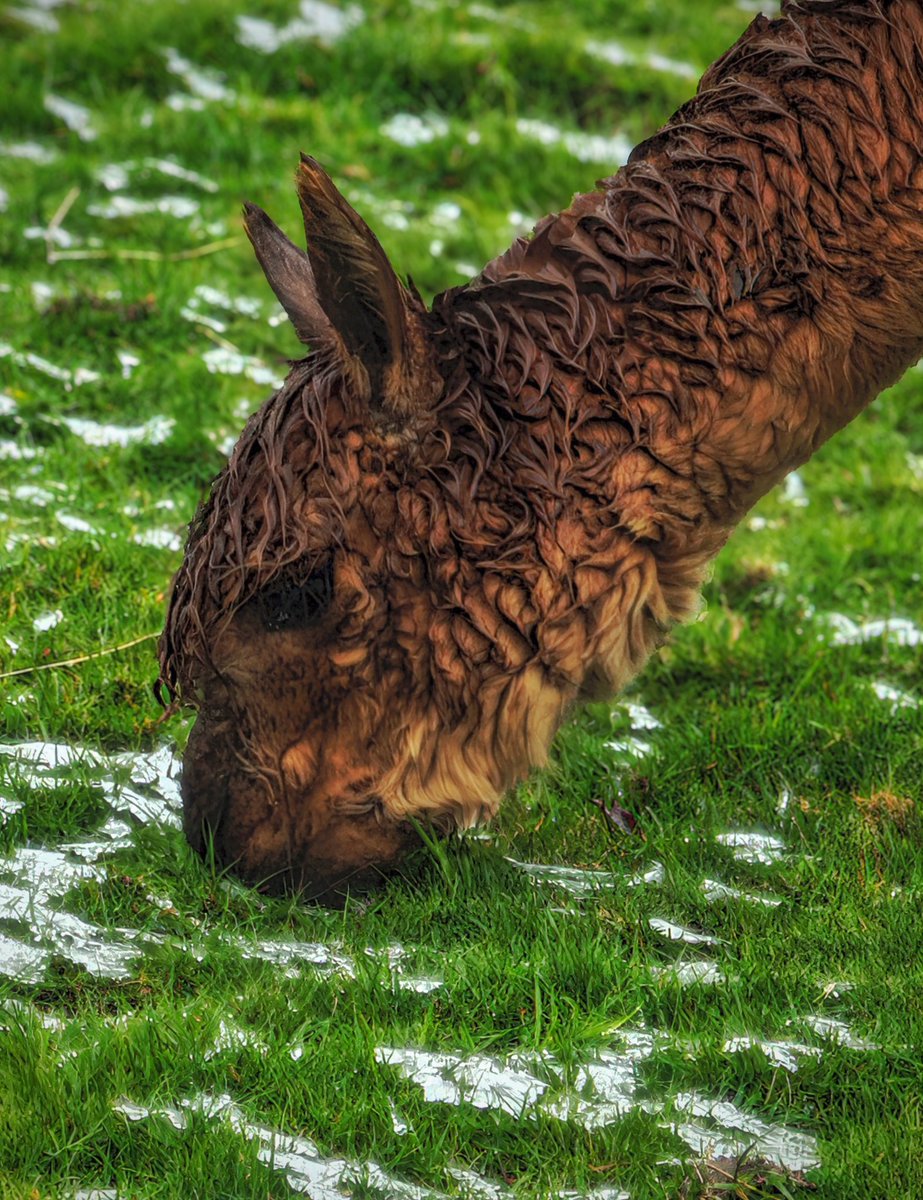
pixel 315 621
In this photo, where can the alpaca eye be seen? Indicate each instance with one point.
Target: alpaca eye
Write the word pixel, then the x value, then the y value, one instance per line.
pixel 296 601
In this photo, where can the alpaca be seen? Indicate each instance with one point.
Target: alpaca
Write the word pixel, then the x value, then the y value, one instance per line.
pixel 451 525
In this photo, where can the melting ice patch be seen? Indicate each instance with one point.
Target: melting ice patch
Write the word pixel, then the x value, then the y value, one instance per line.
pixel 412 129
pixel 716 891
pixel 837 1031
pixel 753 847
pixel 316 20
pixel 680 933
pixel 223 361
pixel 479 1080
pixel 47 620
pixel 595 1094
pixel 785 1053
pixel 27 964
pixel 599 1091
pixel 897 630
pixel 725 1131
pixel 31 151
pixel 204 83
pixel 38 16
pixel 793 491
pixel 582 881
pixel 201 307
pixel 70 378
pixel 128 362
pixel 120 206
pixel 75 116
pixel 115 177
pixel 642 721
pixel 33 878
pixel 298 1158
pixel 621 56
pixel 692 971
pixel 331 960
pixel 159 539
pixel 75 524
pixel 151 433
pixel 893 696
pixel 585 147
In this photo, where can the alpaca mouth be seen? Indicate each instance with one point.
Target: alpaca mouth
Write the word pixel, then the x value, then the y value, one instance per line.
pixel 216 834
pixel 322 847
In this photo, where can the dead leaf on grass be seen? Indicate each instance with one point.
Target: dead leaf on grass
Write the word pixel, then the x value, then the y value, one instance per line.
pixel 885 808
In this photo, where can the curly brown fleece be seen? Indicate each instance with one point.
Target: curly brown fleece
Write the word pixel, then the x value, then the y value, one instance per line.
pixel 450 525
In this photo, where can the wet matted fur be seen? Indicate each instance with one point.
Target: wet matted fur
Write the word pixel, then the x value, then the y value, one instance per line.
pixel 450 525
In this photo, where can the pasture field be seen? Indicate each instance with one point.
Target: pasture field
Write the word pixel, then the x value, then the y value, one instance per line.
pixel 566 1004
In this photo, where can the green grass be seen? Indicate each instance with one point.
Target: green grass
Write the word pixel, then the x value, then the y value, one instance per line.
pixel 755 700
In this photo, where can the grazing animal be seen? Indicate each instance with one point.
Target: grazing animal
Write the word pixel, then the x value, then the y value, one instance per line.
pixel 448 526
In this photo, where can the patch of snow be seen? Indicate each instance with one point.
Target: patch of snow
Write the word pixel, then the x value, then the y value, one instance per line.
pixel 680 933
pixel 222 361
pixel 119 207
pixel 621 56
pixel 751 846
pixel 585 147
pixel 48 620
pixel 75 116
pixel 412 129
pixel 203 82
pixel 317 21
pixel 715 891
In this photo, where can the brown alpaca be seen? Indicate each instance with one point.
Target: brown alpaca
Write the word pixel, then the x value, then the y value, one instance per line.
pixel 450 526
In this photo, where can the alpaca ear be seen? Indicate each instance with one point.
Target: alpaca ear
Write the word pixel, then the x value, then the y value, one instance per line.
pixel 288 272
pixel 381 324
